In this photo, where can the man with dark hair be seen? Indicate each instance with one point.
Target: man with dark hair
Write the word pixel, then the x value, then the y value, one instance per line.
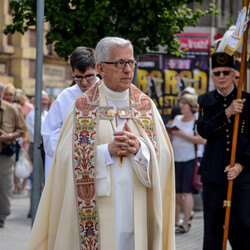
pixel 81 59
pixel 216 124
pixel 82 62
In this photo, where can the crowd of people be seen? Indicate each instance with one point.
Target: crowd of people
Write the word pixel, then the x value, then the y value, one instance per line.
pixel 17 138
pixel 116 176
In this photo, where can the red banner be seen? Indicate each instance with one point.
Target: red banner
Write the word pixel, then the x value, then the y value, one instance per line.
pixel 194 41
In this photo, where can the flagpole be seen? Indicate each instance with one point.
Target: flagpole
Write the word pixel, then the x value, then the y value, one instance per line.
pixel 227 203
pixel 245 70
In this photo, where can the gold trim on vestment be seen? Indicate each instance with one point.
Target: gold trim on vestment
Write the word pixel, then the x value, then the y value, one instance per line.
pixel 88 111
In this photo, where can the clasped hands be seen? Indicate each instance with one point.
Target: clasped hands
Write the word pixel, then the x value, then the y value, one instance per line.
pixel 125 143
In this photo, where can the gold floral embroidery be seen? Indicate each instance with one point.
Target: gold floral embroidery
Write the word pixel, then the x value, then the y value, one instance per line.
pixel 110 112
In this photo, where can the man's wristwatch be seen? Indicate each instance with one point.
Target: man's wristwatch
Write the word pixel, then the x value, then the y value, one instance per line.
pixel 10 136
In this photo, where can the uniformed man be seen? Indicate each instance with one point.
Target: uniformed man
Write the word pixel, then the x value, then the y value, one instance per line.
pixel 215 123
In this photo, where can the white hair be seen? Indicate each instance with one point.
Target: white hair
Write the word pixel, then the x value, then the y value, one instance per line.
pixel 106 44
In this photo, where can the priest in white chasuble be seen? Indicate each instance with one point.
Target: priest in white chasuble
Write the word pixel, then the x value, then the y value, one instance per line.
pixel 111 185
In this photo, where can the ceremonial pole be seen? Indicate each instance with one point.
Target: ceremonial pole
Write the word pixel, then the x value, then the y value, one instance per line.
pixel 245 70
pixel 227 203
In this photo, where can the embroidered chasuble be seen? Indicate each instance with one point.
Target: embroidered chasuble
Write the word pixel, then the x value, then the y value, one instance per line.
pixel 88 203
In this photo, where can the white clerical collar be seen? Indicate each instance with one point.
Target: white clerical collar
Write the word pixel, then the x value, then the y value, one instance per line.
pixel 115 95
pixel 227 93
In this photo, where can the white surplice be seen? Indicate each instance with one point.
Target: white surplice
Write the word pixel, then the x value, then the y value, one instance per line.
pixel 54 120
pixel 123 176
pixel 30 121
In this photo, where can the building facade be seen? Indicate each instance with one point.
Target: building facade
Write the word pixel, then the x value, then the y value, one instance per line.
pixel 216 24
pixel 18 60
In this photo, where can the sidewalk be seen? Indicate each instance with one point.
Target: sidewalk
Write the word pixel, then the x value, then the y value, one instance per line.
pixel 15 234
pixel 193 239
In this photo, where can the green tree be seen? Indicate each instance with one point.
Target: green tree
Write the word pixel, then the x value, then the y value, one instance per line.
pixel 147 23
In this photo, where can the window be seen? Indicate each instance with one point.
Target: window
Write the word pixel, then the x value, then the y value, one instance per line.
pixel 32 34
pixel 32 70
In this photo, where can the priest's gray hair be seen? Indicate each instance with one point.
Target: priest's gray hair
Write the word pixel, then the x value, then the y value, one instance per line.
pixel 106 44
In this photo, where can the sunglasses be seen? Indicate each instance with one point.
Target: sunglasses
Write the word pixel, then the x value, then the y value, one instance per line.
pixel 224 72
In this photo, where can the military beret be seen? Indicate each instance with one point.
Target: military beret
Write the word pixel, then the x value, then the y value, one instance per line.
pixel 221 59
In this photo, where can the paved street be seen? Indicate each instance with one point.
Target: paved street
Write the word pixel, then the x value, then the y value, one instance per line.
pixel 15 234
pixel 193 239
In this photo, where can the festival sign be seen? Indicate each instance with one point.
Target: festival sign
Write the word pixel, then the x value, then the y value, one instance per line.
pixel 163 77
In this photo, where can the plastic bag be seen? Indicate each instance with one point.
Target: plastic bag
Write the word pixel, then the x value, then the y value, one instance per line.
pixel 23 165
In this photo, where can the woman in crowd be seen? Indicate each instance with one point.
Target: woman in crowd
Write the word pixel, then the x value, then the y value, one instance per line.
pixel 24 102
pixel 184 138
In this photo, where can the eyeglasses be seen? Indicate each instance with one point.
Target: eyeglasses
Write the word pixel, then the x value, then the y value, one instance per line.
pixel 89 77
pixel 121 64
pixel 183 102
pixel 224 72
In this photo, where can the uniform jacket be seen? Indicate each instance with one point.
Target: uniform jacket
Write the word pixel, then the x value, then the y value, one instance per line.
pixel 214 126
